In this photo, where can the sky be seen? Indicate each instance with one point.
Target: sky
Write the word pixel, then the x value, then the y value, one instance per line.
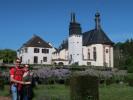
pixel 49 19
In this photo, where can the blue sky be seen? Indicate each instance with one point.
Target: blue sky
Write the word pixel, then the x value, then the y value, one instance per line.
pixel 49 19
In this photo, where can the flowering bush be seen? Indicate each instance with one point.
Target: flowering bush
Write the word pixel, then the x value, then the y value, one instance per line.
pixel 51 75
pixel 108 76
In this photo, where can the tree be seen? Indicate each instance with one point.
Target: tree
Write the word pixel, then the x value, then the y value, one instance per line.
pixel 8 55
pixel 123 54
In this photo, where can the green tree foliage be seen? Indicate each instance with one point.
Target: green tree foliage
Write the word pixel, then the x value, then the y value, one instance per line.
pixel 8 55
pixel 123 54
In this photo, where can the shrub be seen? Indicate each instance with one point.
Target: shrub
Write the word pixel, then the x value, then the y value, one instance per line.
pixel 1 83
pixel 67 82
pixel 109 81
pixel 130 69
pixel 130 79
pixel 119 76
pixel 51 75
pixel 84 87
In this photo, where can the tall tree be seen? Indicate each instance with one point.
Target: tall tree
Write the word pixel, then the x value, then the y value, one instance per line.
pixel 8 55
pixel 123 54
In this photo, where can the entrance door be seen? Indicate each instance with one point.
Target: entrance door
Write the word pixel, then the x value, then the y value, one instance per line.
pixel 35 59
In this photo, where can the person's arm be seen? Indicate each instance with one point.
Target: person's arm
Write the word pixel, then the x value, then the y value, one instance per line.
pixel 16 81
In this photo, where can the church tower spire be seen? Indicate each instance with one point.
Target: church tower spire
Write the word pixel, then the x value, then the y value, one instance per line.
pixel 97 21
pixel 73 19
pixel 75 42
pixel 74 27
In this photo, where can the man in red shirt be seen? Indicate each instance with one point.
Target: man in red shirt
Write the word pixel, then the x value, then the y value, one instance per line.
pixel 16 75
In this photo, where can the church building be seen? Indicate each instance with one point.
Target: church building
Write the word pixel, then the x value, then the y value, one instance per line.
pixel 85 48
pixel 93 48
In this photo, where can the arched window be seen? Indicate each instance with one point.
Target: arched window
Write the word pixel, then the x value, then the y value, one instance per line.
pixel 88 53
pixel 94 53
pixel 107 50
pixel 55 63
pixel 60 63
pixel 71 57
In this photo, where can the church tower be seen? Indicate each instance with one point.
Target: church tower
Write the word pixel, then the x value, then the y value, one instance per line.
pixel 75 42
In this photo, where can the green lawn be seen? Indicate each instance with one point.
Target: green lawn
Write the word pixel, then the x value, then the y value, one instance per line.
pixel 55 92
pixel 61 92
pixel 116 92
pixel 5 92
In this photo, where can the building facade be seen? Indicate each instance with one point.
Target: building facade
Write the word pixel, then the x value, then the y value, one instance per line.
pixel 36 51
pixel 92 48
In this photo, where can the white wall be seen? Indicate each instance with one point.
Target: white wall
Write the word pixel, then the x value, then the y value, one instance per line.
pixel 63 54
pixel 99 55
pixel 28 58
pixel 75 48
pixel 108 55
pixel 112 57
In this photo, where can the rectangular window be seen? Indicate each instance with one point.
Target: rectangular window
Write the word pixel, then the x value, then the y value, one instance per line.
pixel 88 63
pixel 88 55
pixel 45 50
pixel 26 50
pixel 36 50
pixel 44 59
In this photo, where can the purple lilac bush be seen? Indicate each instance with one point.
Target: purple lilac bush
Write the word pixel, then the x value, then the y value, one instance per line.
pixel 52 74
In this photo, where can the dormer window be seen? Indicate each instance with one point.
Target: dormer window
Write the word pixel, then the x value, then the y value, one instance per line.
pixel 39 42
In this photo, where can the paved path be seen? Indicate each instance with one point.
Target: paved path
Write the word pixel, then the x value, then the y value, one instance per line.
pixel 5 98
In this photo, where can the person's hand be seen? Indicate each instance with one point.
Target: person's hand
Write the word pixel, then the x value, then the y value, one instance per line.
pixel 26 83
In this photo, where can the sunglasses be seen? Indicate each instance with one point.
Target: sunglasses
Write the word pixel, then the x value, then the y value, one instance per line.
pixel 18 62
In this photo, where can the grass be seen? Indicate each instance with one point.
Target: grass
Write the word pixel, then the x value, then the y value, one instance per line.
pixel 52 92
pixel 5 92
pixel 61 92
pixel 116 92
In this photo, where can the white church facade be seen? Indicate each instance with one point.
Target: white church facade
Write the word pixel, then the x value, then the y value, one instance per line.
pixel 92 48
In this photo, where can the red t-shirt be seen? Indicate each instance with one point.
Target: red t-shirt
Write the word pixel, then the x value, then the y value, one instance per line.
pixel 17 73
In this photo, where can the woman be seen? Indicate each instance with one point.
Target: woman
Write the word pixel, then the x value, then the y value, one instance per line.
pixel 27 89
pixel 16 80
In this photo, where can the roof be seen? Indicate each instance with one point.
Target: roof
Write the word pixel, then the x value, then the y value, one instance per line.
pixel 36 41
pixel 91 37
pixel 96 37
pixel 64 45
pixel 74 27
